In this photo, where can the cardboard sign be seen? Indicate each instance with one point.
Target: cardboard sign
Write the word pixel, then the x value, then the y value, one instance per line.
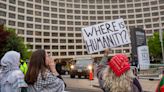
pixel 143 57
pixel 105 35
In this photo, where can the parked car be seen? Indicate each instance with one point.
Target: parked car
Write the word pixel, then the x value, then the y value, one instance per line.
pixel 82 67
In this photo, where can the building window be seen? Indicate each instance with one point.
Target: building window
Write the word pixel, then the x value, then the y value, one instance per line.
pixel 70 28
pixel 30 12
pixel 12 1
pixel 70 41
pixel 54 47
pixel 46 8
pixel 54 21
pixel 62 28
pixel 77 17
pixel 21 3
pixel 11 23
pixel 79 53
pixel 55 34
pixel 78 34
pixel 38 7
pixel 155 8
pixel 20 31
pixel 29 39
pixel 69 17
pixel 62 34
pixel 20 10
pixel 38 33
pixel 71 53
pixel 62 40
pixel 46 14
pixel 76 6
pixel 37 13
pixel 69 5
pixel 29 25
pixel 54 9
pixel 20 24
pixel 2 13
pixel 46 21
pixel 29 32
pixel 71 47
pixel 20 17
pixel 29 18
pixel 61 4
pixel 54 40
pixel 29 5
pixel 38 20
pixel 78 41
pixel 63 53
pixel 79 47
pixel 38 47
pixel 62 10
pixel 55 53
pixel 118 51
pixel 46 27
pixel 91 6
pixel 12 8
pixel 62 47
pixel 46 47
pixel 46 34
pixel 47 40
pixel 62 22
pixel 12 15
pixel 38 40
pixel 46 2
pixel 70 35
pixel 54 28
pixel 38 26
pixel 53 3
pixel 54 15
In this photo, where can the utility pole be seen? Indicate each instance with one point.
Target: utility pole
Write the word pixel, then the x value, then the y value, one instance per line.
pixel 161 40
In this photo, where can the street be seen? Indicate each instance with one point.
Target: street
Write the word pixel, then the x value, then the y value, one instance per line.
pixel 84 85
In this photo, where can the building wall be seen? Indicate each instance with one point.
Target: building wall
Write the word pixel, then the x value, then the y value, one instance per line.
pixel 55 25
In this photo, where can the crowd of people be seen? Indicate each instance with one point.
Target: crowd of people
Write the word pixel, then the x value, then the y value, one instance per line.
pixel 114 75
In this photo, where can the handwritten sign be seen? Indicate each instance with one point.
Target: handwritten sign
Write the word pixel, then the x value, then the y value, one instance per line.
pixel 105 35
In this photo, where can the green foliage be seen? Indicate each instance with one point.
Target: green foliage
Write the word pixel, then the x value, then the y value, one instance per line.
pixel 155 45
pixel 15 43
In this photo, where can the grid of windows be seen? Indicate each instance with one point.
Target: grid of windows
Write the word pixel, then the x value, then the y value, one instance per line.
pixel 59 23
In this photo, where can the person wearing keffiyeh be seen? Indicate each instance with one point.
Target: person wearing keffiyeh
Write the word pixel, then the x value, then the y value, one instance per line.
pixel 41 75
pixel 160 87
pixel 11 77
pixel 115 75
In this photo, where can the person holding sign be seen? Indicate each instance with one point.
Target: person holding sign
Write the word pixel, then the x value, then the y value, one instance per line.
pixel 116 76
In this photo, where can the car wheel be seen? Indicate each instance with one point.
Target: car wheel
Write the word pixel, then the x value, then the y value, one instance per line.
pixel 79 76
pixel 72 76
pixel 86 76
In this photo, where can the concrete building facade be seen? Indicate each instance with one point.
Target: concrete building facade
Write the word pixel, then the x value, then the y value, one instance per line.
pixel 55 25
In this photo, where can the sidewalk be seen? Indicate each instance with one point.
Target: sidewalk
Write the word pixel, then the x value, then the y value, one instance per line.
pixel 147 85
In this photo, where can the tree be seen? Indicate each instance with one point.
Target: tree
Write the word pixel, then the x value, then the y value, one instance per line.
pixel 155 46
pixel 15 43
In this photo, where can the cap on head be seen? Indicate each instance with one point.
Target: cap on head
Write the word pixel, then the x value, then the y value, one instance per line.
pixel 119 64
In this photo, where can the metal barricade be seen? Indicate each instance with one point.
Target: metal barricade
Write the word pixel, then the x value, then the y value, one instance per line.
pixel 154 71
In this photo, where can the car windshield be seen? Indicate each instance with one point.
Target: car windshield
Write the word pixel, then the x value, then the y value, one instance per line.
pixel 84 62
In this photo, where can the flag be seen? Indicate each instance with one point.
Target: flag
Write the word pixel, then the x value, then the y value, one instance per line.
pixel 160 87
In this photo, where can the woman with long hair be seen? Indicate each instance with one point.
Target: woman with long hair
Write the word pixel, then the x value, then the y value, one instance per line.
pixel 116 75
pixel 42 75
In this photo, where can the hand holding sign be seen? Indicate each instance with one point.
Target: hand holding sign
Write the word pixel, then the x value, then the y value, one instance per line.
pixel 105 35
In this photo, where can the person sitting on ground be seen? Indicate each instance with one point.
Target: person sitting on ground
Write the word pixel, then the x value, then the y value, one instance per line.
pixel 41 75
pixel 11 77
pixel 117 75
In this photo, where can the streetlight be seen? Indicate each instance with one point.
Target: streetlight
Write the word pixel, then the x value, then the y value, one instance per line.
pixel 161 37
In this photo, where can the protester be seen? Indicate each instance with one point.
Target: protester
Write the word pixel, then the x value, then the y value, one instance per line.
pixel 160 87
pixel 41 75
pixel 115 75
pixel 11 77
pixel 23 66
